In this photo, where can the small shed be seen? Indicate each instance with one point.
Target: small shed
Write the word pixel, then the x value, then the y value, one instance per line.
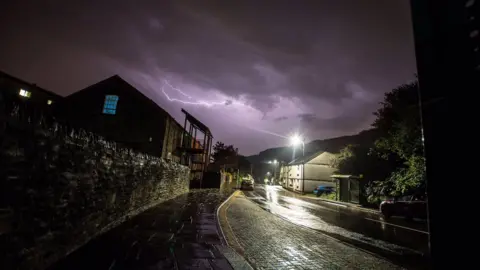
pixel 349 188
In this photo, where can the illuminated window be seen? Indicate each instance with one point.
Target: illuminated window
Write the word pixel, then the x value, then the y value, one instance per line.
pixel 49 102
pixel 25 93
pixel 110 105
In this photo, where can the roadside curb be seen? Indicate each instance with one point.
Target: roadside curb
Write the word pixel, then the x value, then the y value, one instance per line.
pixel 222 236
pixel 233 256
pixel 348 205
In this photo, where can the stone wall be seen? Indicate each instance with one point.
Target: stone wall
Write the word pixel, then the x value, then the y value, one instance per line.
pixel 61 187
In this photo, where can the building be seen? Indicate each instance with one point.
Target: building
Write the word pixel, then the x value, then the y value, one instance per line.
pixel 19 90
pixel 195 149
pixel 173 139
pixel 306 173
pixel 116 110
pixel 119 112
pixel 447 48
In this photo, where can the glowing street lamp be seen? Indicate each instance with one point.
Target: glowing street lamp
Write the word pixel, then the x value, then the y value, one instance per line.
pixel 296 140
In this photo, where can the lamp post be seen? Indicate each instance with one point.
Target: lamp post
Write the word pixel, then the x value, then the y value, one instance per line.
pixel 296 140
pixel 274 162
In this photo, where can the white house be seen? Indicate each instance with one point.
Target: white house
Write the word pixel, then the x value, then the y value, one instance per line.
pixel 304 174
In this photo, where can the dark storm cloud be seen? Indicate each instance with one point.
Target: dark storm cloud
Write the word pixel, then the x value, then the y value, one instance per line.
pixel 343 123
pixel 281 118
pixel 307 117
pixel 332 60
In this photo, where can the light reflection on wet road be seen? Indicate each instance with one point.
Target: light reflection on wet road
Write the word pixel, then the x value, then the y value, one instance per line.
pixel 367 230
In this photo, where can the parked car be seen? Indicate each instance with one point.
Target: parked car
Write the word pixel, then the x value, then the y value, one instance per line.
pixel 323 190
pixel 410 206
pixel 246 185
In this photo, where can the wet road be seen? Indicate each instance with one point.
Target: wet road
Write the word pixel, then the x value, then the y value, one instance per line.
pixel 397 239
pixel 178 234
pixel 270 242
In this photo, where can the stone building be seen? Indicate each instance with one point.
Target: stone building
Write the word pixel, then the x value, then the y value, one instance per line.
pixel 119 112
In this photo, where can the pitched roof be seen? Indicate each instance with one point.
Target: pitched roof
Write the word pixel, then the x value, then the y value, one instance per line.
pixel 121 80
pixel 3 74
pixel 305 159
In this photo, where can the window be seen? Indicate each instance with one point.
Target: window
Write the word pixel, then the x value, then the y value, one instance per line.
pixel 25 93
pixel 49 102
pixel 110 105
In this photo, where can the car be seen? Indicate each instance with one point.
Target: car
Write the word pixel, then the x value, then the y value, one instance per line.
pixel 323 190
pixel 246 185
pixel 410 206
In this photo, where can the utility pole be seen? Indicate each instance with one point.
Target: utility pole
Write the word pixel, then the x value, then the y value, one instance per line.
pixel 303 167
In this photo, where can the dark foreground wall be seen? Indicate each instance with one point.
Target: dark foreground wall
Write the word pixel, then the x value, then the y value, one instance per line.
pixel 60 187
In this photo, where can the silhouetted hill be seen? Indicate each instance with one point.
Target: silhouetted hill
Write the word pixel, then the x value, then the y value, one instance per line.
pixel 333 145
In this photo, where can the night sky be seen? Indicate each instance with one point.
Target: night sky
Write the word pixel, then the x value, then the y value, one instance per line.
pixel 316 67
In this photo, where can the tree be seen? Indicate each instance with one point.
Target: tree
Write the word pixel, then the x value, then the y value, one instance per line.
pixel 399 123
pixel 394 164
pixel 360 160
pixel 221 152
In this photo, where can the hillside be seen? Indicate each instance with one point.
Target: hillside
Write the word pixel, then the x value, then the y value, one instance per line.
pixel 333 145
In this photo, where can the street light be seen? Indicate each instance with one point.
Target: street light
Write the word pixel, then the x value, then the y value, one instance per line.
pixel 274 162
pixel 296 140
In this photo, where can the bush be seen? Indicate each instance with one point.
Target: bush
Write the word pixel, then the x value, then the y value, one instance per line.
pixel 329 196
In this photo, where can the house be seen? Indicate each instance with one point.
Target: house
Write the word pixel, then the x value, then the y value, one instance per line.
pixel 16 89
pixel 116 110
pixel 119 112
pixel 306 173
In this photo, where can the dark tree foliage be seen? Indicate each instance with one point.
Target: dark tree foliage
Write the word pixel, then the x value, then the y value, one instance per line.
pixel 395 164
pixel 221 152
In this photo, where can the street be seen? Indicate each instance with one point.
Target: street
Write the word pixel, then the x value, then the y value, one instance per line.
pixel 270 227
pixel 398 240
pixel 268 241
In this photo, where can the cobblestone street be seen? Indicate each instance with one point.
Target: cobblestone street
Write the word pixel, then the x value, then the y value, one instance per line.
pixel 270 242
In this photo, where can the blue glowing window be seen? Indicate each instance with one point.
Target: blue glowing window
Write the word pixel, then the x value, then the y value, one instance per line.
pixel 110 105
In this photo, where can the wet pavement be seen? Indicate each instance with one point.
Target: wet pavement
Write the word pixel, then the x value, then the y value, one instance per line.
pixel 179 234
pixel 401 241
pixel 270 242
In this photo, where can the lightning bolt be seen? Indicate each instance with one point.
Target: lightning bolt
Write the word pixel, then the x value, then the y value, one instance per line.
pixel 210 104
pixel 200 102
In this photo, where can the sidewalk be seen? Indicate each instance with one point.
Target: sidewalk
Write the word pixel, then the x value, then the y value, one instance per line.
pixel 181 233
pixel 314 199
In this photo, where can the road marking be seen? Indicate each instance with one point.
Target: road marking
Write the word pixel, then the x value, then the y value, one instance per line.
pixel 218 216
pixel 337 204
pixel 395 225
pixel 229 201
pixel 256 198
